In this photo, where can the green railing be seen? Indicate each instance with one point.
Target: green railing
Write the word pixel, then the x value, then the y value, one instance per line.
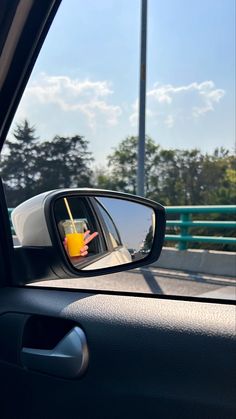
pixel 185 223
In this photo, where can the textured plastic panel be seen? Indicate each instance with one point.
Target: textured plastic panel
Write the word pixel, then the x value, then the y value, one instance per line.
pixel 148 357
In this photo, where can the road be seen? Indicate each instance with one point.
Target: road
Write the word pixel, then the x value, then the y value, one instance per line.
pixel 154 281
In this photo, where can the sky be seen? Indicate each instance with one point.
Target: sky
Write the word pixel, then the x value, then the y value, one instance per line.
pixel 86 79
pixel 131 230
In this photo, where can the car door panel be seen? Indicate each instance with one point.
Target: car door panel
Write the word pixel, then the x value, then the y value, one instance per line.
pixel 147 356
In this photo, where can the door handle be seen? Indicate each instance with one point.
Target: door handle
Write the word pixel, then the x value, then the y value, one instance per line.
pixel 69 358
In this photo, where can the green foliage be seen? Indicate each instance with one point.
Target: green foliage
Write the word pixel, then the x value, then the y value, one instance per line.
pixel 64 162
pixel 172 177
pixel 103 180
pixel 18 164
pixel 30 166
pixel 123 164
pixel 176 177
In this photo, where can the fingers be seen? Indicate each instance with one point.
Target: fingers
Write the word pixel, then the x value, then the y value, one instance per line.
pixel 86 234
pixel 84 251
pixel 89 237
pixel 65 243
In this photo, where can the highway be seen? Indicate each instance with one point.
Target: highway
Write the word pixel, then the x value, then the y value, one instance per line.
pixel 154 281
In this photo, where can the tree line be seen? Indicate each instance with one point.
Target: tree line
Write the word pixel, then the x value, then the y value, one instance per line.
pixel 30 166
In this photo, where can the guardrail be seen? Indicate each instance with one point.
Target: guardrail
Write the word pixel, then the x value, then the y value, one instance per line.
pixel 185 223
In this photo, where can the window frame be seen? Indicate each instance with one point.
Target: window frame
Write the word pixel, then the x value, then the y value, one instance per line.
pixel 99 205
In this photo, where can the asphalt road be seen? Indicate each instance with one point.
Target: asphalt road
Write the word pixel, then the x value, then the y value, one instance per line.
pixel 154 281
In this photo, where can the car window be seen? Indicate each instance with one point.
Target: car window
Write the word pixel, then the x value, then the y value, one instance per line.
pixel 83 214
pixel 77 126
pixel 110 225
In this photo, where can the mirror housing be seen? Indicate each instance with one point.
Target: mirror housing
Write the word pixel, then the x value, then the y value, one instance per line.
pixel 41 249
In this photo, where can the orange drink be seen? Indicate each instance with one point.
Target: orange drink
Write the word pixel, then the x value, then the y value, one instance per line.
pixel 75 242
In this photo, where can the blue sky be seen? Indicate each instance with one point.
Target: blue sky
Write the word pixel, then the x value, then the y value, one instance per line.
pixel 86 79
pixel 131 230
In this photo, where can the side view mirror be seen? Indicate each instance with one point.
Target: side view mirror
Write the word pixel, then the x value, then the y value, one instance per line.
pixel 86 232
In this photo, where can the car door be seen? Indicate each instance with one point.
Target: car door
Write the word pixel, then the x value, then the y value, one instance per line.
pixel 145 356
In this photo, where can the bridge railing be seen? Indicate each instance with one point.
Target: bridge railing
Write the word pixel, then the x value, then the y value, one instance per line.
pixel 185 223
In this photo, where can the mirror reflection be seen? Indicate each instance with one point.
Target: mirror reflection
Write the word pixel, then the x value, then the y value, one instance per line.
pixel 100 232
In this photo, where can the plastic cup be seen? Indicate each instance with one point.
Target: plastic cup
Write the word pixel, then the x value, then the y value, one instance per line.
pixel 75 241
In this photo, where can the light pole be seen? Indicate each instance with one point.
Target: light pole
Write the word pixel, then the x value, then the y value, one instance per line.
pixel 142 102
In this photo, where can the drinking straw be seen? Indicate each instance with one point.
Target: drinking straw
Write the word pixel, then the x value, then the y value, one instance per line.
pixel 70 215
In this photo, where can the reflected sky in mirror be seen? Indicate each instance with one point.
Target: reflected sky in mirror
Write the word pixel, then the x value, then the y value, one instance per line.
pixel 132 220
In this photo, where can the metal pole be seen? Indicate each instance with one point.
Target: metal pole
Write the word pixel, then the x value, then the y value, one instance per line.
pixel 142 102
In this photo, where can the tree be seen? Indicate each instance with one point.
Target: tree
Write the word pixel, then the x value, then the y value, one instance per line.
pixel 175 180
pixel 123 164
pixel 102 179
pixel 148 241
pixel 171 176
pixel 64 162
pixel 30 166
pixel 217 178
pixel 18 164
pixel 174 177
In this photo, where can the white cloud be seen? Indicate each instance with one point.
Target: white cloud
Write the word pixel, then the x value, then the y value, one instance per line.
pixel 210 97
pixel 91 98
pixel 169 121
pixel 194 99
